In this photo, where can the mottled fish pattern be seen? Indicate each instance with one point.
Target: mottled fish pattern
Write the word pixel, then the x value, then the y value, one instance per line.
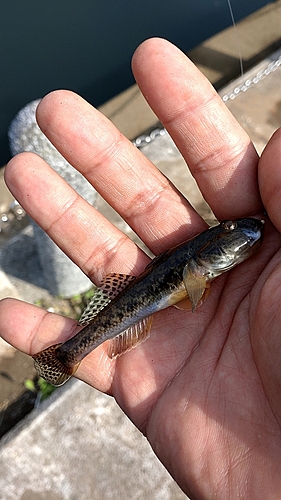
pixel 122 308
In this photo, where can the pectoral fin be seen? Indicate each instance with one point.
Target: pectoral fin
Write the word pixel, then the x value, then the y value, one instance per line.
pixel 130 338
pixel 195 284
pixel 186 305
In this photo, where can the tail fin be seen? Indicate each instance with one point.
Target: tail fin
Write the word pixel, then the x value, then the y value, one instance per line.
pixel 49 366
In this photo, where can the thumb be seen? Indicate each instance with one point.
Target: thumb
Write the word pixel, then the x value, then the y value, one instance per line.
pixel 270 178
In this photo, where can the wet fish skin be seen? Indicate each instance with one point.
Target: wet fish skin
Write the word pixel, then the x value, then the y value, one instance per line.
pixel 181 272
pixel 229 249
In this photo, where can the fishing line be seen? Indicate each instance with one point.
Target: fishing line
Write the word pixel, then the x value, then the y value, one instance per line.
pixel 237 38
pixel 238 44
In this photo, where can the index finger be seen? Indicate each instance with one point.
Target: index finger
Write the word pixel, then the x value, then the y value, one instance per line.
pixel 217 150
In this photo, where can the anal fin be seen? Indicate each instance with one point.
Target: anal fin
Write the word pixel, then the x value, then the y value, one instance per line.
pixel 130 338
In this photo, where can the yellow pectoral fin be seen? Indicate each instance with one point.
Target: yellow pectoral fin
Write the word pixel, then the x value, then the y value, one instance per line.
pixel 195 285
pixel 186 305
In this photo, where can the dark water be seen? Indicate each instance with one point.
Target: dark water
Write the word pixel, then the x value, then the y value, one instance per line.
pixel 87 46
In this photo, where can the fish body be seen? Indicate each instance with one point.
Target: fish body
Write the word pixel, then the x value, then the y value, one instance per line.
pixel 180 276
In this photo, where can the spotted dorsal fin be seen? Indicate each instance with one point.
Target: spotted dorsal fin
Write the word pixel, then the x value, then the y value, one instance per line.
pixel 114 283
pixel 96 304
pixel 110 287
pixel 130 338
pixel 195 284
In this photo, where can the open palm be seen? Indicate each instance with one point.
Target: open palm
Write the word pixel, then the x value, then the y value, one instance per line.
pixel 206 387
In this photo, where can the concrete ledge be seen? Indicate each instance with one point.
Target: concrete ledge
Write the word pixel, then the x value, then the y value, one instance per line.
pixel 80 445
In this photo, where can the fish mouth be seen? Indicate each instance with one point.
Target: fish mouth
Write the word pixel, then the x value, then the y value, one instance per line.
pixel 253 237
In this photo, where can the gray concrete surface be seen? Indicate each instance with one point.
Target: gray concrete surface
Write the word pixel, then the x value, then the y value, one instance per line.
pixel 62 276
pixel 79 444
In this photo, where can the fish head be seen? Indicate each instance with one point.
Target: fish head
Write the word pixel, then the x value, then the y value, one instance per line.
pixel 232 243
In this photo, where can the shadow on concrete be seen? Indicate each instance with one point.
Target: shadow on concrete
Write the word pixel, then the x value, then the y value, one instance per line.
pixel 228 66
pixel 19 258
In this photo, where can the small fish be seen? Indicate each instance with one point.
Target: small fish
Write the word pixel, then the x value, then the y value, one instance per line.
pixel 122 308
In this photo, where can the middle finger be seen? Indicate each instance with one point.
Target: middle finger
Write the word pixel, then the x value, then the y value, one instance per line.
pixel 125 178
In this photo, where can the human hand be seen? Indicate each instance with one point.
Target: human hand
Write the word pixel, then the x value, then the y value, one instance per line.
pixel 205 387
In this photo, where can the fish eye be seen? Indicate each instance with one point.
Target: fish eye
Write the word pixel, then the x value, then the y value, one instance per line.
pixel 229 225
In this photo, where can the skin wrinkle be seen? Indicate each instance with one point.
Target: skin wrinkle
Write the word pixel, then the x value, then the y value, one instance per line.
pixel 249 415
pixel 103 187
pixel 215 164
pixel 137 204
pixel 177 77
pixel 205 109
pixel 216 161
pixel 95 263
pixel 159 373
pixel 32 337
pixel 185 139
pixel 67 209
pixel 70 207
pixel 68 330
pixel 232 463
pixel 197 112
pixel 73 216
pixel 110 152
pixel 145 425
pixel 242 302
pixel 109 156
pixel 107 252
pixel 166 387
pixel 225 482
pixel 183 229
pixel 159 213
pixel 52 114
pixel 101 148
pixel 140 205
pixel 49 175
pixel 267 317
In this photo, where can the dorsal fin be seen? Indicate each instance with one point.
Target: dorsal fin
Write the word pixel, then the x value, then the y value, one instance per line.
pixel 155 259
pixel 96 304
pixel 114 283
pixel 110 287
pixel 130 338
